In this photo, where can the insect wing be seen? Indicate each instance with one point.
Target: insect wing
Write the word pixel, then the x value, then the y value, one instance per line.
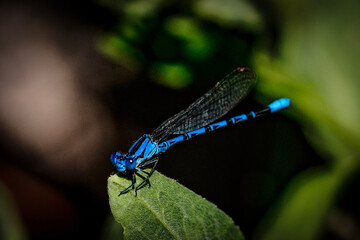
pixel 226 94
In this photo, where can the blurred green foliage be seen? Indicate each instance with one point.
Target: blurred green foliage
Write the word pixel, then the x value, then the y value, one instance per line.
pixel 316 68
pixel 10 225
pixel 168 39
pixel 229 14
pixel 171 74
pixel 313 61
pixel 195 42
pixel 112 230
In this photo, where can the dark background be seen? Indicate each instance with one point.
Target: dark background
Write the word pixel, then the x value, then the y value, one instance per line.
pixel 81 80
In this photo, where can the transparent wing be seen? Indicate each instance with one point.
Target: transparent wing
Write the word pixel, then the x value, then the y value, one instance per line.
pixel 211 106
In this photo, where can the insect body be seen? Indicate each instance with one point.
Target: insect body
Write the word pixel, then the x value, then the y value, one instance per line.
pixel 191 122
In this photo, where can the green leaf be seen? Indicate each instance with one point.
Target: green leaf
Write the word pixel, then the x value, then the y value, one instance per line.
pixel 167 210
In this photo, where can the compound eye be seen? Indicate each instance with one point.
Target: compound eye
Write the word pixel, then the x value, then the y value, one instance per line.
pixel 131 161
pixel 113 158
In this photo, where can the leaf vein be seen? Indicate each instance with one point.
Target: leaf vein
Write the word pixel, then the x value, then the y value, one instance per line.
pixel 159 218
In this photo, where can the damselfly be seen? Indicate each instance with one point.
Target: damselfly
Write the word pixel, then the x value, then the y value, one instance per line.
pixel 191 122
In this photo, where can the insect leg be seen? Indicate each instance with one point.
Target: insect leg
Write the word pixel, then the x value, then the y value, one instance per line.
pixel 132 185
pixel 146 179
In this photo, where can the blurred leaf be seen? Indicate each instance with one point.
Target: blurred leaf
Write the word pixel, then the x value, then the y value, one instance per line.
pixel 120 50
pixel 304 205
pixel 167 210
pixel 197 46
pixel 141 8
pixel 317 56
pixel 10 226
pixel 322 127
pixel 135 8
pixel 112 230
pixel 131 30
pixel 229 13
pixel 144 8
pixel 171 74
pixel 316 68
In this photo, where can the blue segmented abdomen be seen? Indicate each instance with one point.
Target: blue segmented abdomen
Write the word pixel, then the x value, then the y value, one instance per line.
pixel 186 136
pixel 279 104
pixel 275 106
pixel 239 118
